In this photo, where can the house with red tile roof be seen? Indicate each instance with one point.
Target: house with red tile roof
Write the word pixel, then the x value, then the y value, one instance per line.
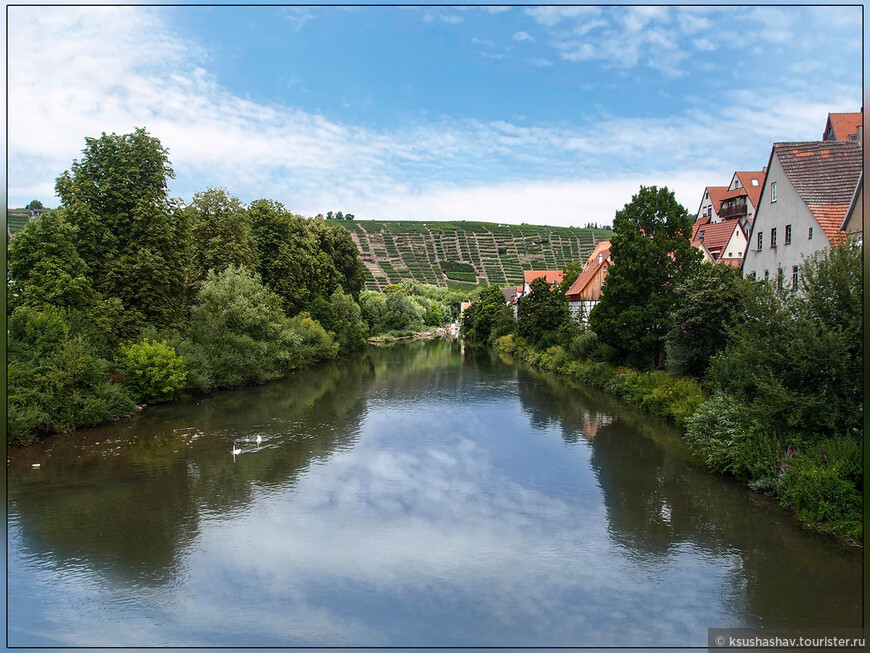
pixel 737 200
pixel 844 127
pixel 585 292
pixel 806 195
pixel 721 242
pixel 552 276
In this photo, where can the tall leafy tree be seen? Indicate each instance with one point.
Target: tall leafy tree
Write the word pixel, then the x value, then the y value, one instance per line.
pixel 542 312
pixel 128 233
pixel 651 251
pixel 221 232
pixel 488 318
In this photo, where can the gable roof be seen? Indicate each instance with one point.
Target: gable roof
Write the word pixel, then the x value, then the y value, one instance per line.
pixel 746 178
pixel 858 187
pixel 843 125
pixel 716 193
pixel 716 236
pixel 602 252
pixel 824 174
pixel 552 276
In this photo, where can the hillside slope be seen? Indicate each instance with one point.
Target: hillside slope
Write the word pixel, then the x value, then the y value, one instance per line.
pixel 465 253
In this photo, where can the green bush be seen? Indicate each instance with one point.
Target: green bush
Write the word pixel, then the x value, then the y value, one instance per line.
pixel 56 380
pixel 154 371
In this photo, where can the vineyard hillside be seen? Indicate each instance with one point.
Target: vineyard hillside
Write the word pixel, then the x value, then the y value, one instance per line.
pixel 465 254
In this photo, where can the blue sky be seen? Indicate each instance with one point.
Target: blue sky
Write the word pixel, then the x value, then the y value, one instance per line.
pixel 543 115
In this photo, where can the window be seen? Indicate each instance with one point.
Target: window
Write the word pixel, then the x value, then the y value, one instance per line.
pixel 766 275
pixel 760 239
pixel 788 234
pixel 794 277
pixel 853 137
pixel 810 237
pixel 701 235
pixel 773 237
pixel 773 192
pixel 755 182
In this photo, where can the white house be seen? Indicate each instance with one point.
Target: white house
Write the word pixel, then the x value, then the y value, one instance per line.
pixel 806 195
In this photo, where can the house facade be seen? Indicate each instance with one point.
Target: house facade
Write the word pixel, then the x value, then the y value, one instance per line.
pixel 806 195
pixel 552 276
pixel 585 292
pixel 721 242
pixel 844 127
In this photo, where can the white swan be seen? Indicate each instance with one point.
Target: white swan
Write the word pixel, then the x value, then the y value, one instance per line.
pixel 236 450
pixel 259 439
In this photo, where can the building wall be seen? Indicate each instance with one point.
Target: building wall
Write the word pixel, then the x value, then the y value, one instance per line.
pixel 736 247
pixel 789 208
pixel 855 223
pixel 706 202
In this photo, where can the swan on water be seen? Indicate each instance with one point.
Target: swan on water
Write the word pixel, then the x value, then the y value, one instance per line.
pixel 236 450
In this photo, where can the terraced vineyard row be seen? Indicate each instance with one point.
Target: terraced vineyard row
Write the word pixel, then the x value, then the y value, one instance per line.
pixel 498 253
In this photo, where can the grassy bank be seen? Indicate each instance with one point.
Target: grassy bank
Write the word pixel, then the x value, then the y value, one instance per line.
pixel 821 483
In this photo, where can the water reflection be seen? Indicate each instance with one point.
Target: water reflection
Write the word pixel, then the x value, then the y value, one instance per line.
pixel 412 497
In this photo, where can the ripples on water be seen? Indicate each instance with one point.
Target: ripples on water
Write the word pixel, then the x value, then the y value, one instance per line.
pixel 413 497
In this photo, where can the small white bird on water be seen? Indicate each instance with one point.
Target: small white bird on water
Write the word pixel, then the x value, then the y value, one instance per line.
pixel 236 450
pixel 259 439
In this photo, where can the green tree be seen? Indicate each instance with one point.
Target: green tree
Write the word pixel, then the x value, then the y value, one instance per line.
pixel 244 334
pixel 488 318
pixel 707 304
pixel 34 204
pixel 373 309
pixel 542 313
pixel 56 379
pixel 128 232
pixel 221 232
pixel 402 313
pixel 350 329
pixel 795 362
pixel 651 252
pixel 154 371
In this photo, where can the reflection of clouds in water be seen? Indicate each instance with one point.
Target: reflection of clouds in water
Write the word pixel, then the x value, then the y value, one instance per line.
pixel 413 538
pixel 512 564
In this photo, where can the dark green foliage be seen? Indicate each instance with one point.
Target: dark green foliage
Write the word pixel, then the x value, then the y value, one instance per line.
pixel 706 305
pixel 34 204
pixel 322 311
pixel 651 253
pixel 402 313
pixel 469 277
pixel 244 335
pixel 221 232
pixel 373 307
pixel 56 379
pixel 488 318
pixel 542 313
pixel 795 363
pixel 303 259
pixel 153 370
pixel 350 330
pixel 455 266
pixel 128 233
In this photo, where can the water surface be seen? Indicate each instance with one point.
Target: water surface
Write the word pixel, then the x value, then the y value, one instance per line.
pixel 413 496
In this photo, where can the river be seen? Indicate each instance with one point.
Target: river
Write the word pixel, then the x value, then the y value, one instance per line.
pixel 416 495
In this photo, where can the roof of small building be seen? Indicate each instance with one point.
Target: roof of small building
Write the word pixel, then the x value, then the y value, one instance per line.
pixel 746 178
pixel 716 235
pixel 552 276
pixel 844 124
pixel 824 174
pixel 510 294
pixel 716 193
pixel 600 253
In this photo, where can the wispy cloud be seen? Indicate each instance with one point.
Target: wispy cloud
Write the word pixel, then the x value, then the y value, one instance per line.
pixel 296 17
pixel 523 36
pixel 72 82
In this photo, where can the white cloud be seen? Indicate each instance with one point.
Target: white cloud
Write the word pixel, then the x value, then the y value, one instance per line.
pixel 296 16
pixel 73 82
pixel 523 36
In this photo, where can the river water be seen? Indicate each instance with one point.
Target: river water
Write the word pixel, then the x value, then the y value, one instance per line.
pixel 413 496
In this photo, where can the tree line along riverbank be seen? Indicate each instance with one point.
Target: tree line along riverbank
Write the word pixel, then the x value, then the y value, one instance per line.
pixel 124 296
pixel 767 383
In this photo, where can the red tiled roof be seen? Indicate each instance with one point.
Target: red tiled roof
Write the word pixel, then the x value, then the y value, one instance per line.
pixel 746 178
pixel 716 193
pixel 552 276
pixel 824 174
pixel 830 217
pixel 737 192
pixel 716 235
pixel 602 251
pixel 844 124
pixel 733 262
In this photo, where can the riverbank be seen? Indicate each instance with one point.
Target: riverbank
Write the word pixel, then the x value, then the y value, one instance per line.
pixel 822 490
